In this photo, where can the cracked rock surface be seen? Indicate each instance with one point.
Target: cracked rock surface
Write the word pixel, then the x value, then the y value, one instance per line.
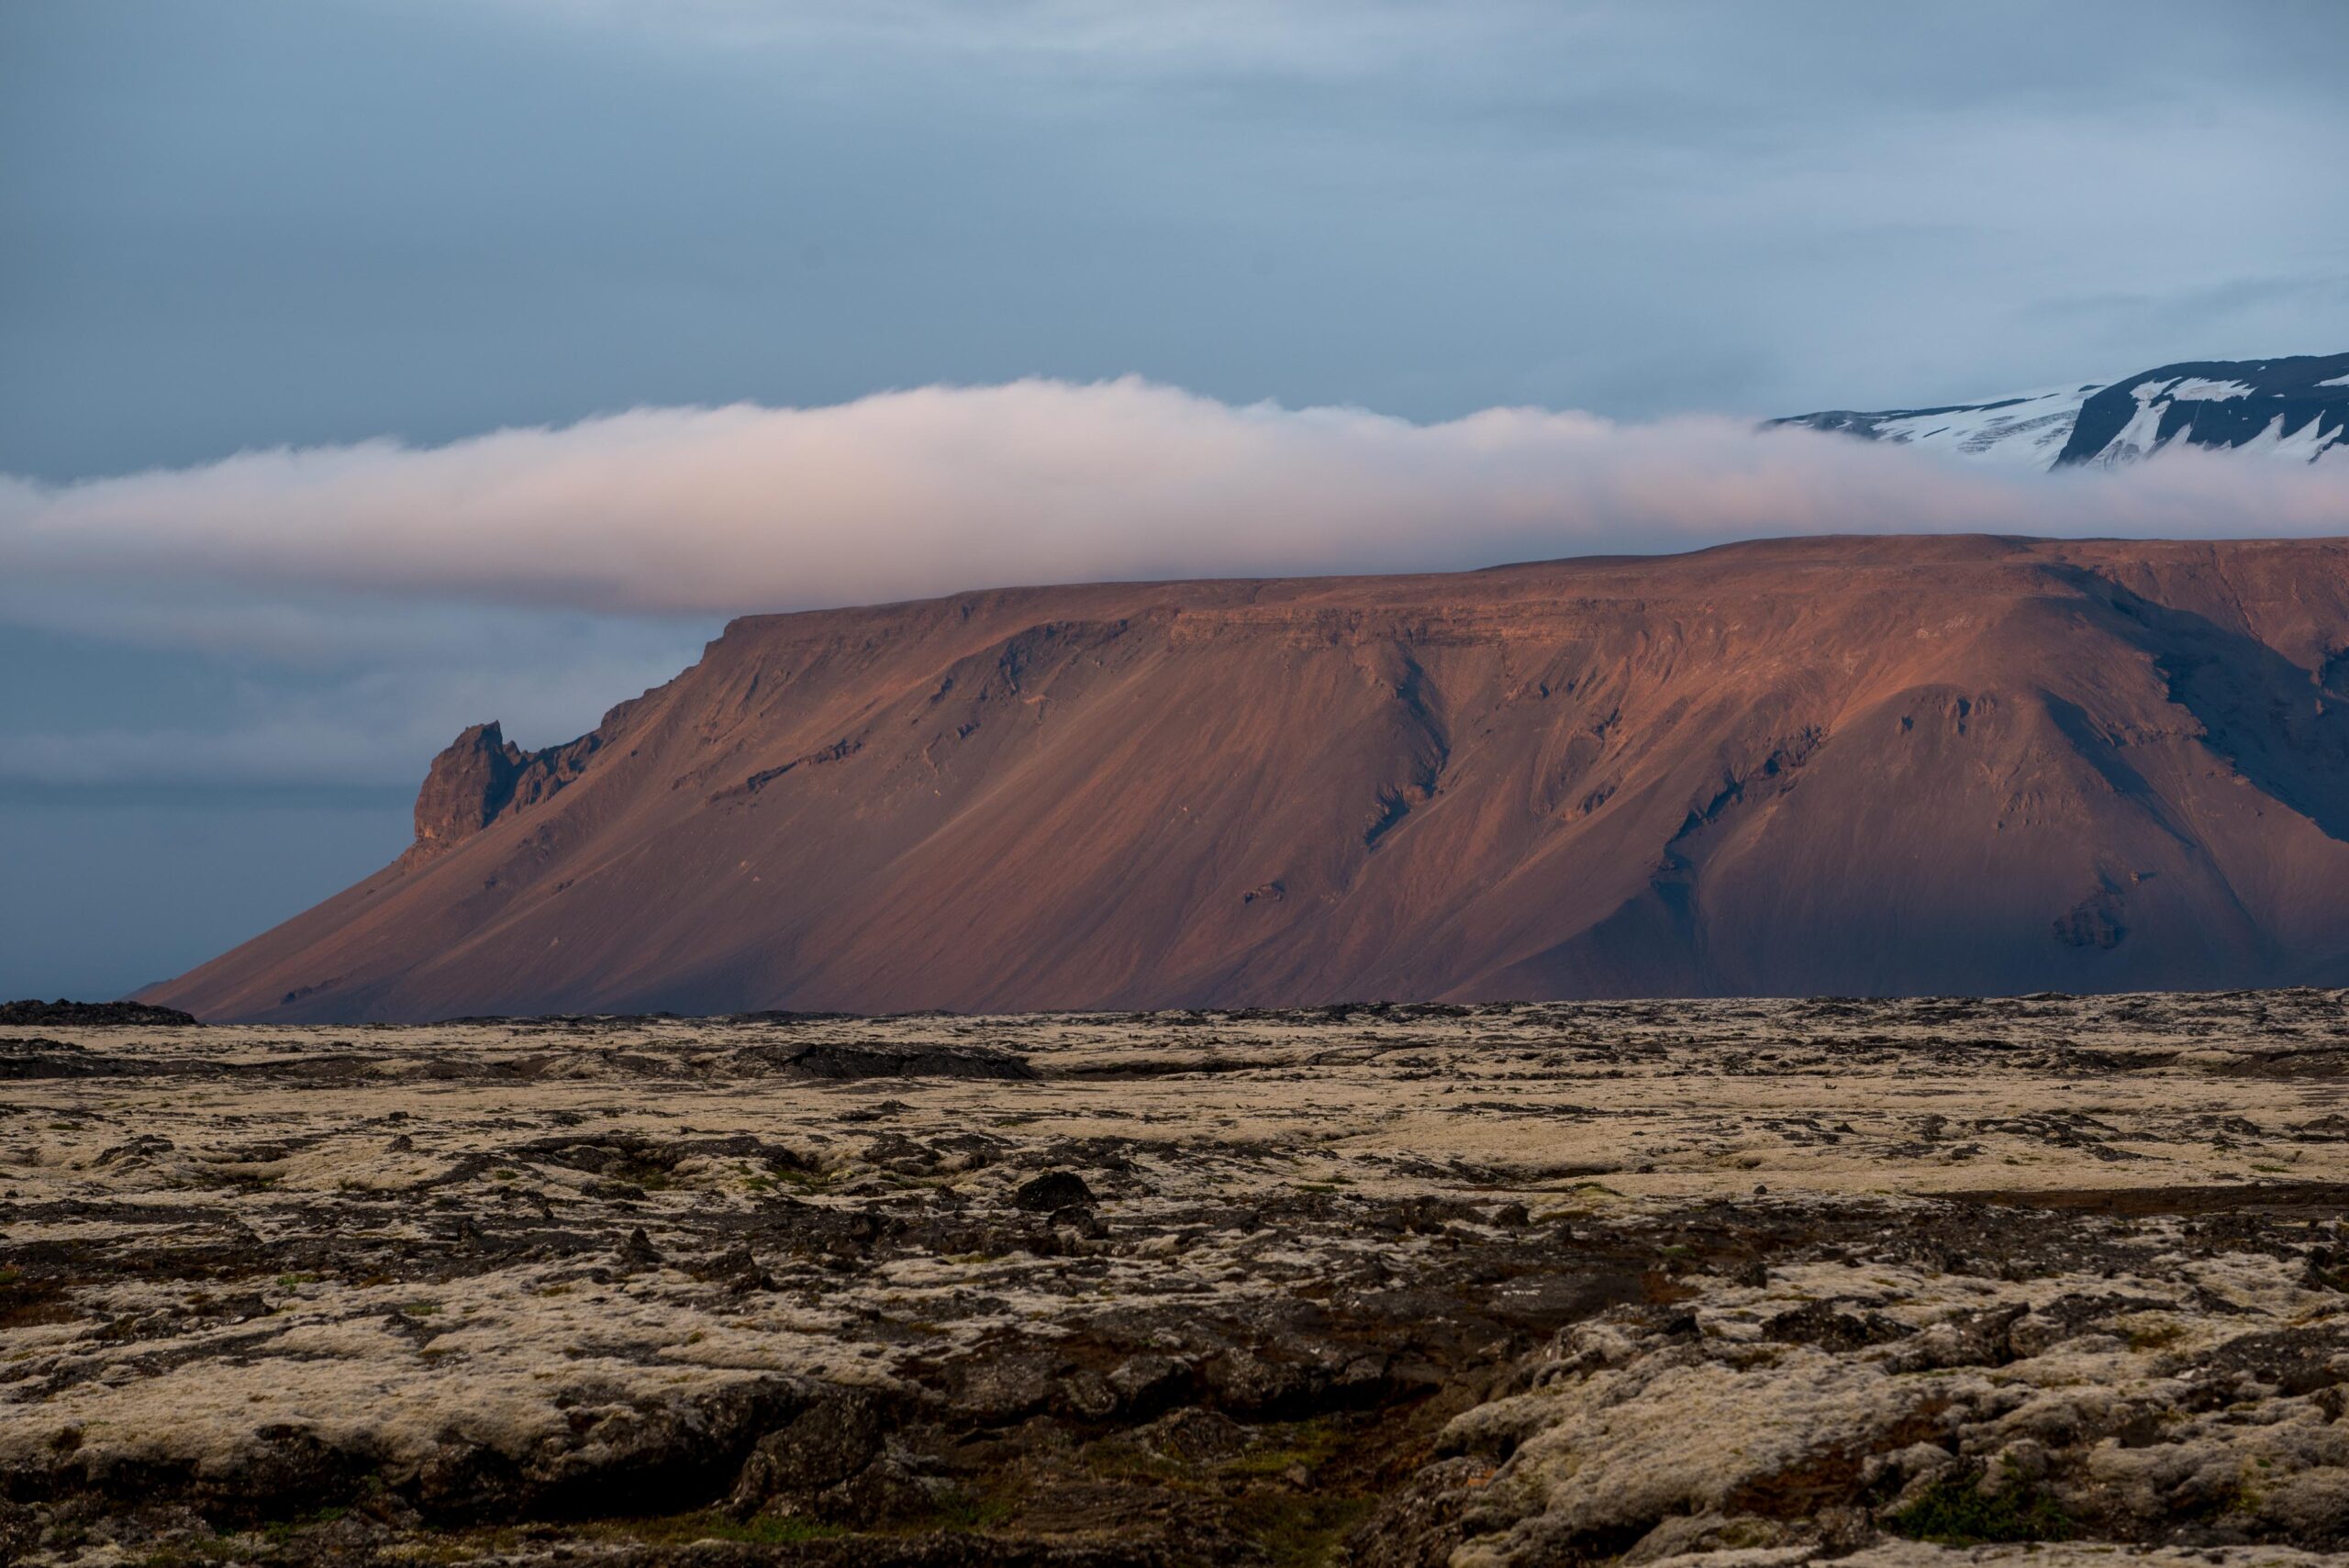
pixel 1739 1283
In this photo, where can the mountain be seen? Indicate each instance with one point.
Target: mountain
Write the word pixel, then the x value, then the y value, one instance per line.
pixel 1829 765
pixel 2293 408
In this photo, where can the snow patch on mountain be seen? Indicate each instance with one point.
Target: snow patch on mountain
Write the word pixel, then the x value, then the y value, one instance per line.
pixel 2193 389
pixel 2296 409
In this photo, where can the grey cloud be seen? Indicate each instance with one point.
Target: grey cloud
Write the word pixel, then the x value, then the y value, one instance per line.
pixel 239 233
pixel 302 693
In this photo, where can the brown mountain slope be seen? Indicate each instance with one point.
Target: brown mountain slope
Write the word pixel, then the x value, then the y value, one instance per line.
pixel 1828 765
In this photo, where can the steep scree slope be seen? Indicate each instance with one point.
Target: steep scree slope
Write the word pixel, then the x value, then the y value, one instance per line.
pixel 1856 765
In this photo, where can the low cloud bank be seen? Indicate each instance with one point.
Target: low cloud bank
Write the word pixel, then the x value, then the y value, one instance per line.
pixel 909 493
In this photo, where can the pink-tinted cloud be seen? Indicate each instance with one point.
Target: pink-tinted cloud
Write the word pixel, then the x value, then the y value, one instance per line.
pixel 922 492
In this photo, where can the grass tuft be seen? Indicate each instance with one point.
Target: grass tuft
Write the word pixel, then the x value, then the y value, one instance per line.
pixel 1957 1512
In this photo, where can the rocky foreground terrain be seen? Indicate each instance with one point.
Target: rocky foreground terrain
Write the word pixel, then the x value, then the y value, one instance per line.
pixel 1720 1282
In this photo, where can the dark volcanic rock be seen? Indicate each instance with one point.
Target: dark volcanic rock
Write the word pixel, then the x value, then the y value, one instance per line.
pixel 466 787
pixel 1052 1191
pixel 887 1060
pixel 829 1442
pixel 482 776
pixel 623 1294
pixel 87 1015
pixel 39 1058
pixel 1817 1323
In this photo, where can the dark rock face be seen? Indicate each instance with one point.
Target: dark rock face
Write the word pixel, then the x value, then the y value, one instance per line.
pixel 468 786
pixel 2216 403
pixel 87 1015
pixel 481 777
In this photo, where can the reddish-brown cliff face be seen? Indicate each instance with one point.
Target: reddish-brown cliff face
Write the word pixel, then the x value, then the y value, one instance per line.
pixel 481 776
pixel 467 785
pixel 1827 765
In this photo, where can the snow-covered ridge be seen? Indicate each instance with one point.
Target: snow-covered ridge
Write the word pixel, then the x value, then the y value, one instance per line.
pixel 2294 409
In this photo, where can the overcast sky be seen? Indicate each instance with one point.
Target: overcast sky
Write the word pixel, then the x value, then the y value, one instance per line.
pixel 379 227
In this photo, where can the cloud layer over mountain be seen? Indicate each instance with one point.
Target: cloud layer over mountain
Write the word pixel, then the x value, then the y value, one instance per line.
pixel 909 493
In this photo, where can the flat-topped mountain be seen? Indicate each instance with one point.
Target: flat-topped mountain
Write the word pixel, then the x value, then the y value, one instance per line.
pixel 1833 765
pixel 2294 409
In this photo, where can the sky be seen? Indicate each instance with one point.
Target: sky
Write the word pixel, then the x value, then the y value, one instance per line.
pixel 371 368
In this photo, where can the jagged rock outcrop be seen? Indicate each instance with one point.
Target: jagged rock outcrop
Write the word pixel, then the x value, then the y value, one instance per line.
pixel 1833 765
pixel 467 786
pixel 482 776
